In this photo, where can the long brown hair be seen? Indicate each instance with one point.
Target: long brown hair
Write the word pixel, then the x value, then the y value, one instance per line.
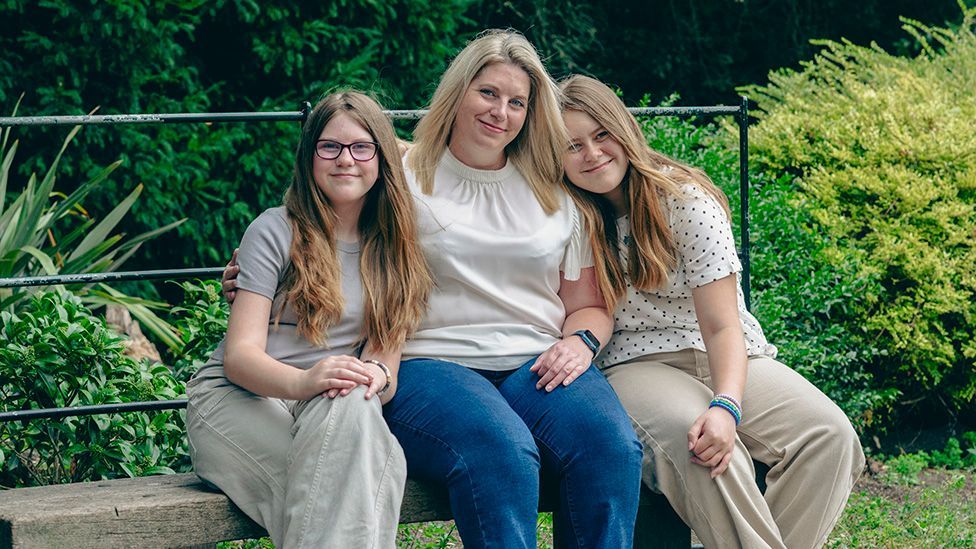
pixel 395 275
pixel 651 178
pixel 536 151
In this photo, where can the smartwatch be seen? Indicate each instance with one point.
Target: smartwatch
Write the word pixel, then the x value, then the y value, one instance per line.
pixel 590 340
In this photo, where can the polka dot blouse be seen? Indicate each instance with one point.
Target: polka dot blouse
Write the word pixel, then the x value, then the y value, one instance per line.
pixel 664 320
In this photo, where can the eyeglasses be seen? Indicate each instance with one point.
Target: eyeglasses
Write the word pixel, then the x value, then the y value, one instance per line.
pixel 361 151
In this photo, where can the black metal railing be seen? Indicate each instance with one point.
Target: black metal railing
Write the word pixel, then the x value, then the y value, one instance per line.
pixel 741 114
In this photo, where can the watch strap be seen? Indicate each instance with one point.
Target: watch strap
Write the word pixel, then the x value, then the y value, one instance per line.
pixel 590 340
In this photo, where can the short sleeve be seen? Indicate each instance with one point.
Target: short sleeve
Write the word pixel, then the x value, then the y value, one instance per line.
pixel 263 254
pixel 579 252
pixel 703 237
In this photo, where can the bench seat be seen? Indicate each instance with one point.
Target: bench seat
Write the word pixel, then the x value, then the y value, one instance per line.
pixel 181 511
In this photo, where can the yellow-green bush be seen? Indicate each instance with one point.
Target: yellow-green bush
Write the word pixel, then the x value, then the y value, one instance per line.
pixel 882 154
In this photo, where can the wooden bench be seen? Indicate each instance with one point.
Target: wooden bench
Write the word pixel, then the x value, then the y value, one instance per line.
pixel 181 511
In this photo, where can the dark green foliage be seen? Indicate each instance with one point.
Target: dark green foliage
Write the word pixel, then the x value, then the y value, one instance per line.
pixel 55 353
pixel 801 299
pixel 698 143
pixel 189 56
pixel 956 455
pixel 201 321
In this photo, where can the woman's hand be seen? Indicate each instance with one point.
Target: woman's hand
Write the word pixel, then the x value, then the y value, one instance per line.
pixel 562 363
pixel 333 376
pixel 228 281
pixel 711 440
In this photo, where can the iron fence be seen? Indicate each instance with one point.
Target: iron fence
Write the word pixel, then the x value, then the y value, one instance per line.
pixel 740 112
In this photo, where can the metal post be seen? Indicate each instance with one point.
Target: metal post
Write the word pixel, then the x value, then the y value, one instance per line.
pixel 743 120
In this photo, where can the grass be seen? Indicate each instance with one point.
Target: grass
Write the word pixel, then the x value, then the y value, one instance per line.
pixel 936 508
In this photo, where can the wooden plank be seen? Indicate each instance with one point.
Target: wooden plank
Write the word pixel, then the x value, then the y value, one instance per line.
pixel 168 510
pixel 180 510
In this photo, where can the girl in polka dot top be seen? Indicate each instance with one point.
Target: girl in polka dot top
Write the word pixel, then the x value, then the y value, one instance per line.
pixel 689 363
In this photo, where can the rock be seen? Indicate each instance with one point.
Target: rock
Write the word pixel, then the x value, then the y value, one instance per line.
pixel 137 346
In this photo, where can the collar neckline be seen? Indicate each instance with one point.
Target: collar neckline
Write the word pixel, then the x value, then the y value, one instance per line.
pixel 473 174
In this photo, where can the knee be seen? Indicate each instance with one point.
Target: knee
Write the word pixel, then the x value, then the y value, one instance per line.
pixel 351 412
pixel 611 440
pixel 507 456
pixel 839 439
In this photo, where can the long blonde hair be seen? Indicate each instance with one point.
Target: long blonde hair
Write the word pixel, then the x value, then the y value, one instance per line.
pixel 395 275
pixel 651 178
pixel 536 151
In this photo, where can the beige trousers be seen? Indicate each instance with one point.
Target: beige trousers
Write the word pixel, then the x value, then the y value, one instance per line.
pixel 810 446
pixel 318 473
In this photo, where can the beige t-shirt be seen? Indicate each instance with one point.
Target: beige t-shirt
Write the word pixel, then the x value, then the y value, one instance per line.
pixel 263 258
pixel 496 258
pixel 664 320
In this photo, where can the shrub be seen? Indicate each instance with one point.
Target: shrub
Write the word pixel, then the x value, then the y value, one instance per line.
pixel 904 469
pixel 55 353
pixel 46 232
pixel 201 321
pixel 956 455
pixel 883 160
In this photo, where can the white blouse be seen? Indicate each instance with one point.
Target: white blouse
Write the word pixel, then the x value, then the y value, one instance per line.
pixel 496 258
pixel 664 320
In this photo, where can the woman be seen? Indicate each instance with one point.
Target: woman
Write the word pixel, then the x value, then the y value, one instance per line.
pixel 685 352
pixel 283 417
pixel 495 384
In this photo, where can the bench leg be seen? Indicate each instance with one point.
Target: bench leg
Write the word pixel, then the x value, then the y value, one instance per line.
pixel 658 526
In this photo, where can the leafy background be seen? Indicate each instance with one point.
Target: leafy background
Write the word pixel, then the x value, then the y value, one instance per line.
pixel 862 155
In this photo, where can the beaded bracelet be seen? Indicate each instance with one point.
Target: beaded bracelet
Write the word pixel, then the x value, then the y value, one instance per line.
pixel 729 405
pixel 731 398
pixel 386 370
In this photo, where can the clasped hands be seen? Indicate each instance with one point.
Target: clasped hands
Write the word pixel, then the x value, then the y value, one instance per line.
pixel 337 376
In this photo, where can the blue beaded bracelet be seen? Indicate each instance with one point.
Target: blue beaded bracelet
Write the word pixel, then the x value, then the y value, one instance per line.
pixel 729 398
pixel 729 407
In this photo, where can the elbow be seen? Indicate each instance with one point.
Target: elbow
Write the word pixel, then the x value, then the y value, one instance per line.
pixel 232 364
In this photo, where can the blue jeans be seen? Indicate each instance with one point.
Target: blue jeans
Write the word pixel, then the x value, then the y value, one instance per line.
pixel 485 436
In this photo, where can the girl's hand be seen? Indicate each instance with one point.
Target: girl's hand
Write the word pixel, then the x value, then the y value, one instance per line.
pixel 228 280
pixel 562 363
pixel 333 376
pixel 711 440
pixel 379 380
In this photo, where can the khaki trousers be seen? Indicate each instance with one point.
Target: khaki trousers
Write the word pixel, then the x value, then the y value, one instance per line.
pixel 810 446
pixel 318 473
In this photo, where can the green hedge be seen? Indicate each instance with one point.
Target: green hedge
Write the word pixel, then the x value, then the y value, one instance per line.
pixel 70 56
pixel 55 353
pixel 870 247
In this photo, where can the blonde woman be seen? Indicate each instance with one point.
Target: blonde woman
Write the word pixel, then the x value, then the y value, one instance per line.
pixel 496 383
pixel 286 416
pixel 690 364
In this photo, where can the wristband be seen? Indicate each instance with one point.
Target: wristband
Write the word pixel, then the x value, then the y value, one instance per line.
pixel 729 405
pixel 590 340
pixel 730 398
pixel 389 376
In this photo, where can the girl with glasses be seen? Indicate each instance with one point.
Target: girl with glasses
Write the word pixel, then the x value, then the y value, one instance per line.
pixel 690 364
pixel 286 415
